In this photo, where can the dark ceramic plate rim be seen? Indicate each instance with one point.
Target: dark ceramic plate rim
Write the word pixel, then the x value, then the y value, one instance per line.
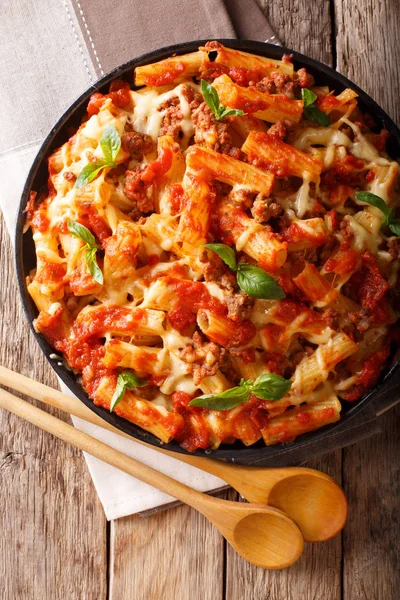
pixel 237 452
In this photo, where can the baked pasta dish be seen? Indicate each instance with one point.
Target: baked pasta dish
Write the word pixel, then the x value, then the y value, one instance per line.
pixel 217 250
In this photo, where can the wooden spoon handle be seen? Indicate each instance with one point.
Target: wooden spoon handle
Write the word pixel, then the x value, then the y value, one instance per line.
pixel 113 457
pixel 73 406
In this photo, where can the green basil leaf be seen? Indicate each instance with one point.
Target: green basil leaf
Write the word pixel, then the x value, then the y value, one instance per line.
pixel 394 227
pixel 376 201
pixel 257 283
pixel 81 232
pixel 308 97
pixel 315 114
pixel 223 401
pixel 211 98
pixel 118 394
pixel 126 380
pixel 89 172
pixel 110 144
pixel 226 253
pixel 270 386
pixel 132 380
pixel 210 95
pixel 232 112
pixel 93 267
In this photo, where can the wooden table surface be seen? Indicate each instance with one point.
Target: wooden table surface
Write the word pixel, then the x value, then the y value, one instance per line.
pixel 55 542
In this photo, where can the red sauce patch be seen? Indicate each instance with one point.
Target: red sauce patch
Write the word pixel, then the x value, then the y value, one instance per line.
pixel 367 284
pixel 168 75
pixel 344 261
pixel 40 221
pixel 95 103
pixel 176 195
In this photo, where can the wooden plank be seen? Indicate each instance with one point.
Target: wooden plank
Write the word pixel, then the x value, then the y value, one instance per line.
pixel 368 49
pixel 369 53
pixel 305 27
pixel 175 553
pixel 371 538
pixel 316 575
pixel 53 529
pixel 302 25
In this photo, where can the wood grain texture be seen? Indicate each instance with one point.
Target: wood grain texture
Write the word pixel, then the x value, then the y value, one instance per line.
pixel 52 527
pixel 171 554
pixel 315 576
pixel 302 25
pixel 368 52
pixel 370 540
pixel 368 48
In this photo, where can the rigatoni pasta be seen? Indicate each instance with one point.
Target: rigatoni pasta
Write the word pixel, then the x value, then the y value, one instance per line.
pixel 205 261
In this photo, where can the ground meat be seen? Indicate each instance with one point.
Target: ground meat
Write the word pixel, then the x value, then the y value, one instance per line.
pixel 239 306
pixel 242 198
pixel 69 176
pixel 361 319
pixel 297 357
pixel 394 248
pixel 193 97
pixel 204 358
pixel 278 129
pixel 304 79
pixel 234 152
pixel 277 83
pixel 264 209
pixel 346 230
pixel 136 144
pixel 308 254
pixel 138 191
pixel 347 130
pixel 220 274
pixel 229 370
pixel 331 318
pixel 208 131
pixel 172 122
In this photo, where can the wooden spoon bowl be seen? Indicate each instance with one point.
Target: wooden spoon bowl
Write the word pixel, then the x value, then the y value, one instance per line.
pixel 317 504
pixel 255 537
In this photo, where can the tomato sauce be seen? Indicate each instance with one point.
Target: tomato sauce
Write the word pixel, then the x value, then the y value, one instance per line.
pixel 367 284
pixel 51 272
pixel 40 221
pixel 369 375
pixel 176 195
pixel 96 101
pixel 120 94
pixel 95 223
pixel 194 434
pixel 157 168
pixel 168 74
pixel 295 234
pixel 191 297
pixel 344 171
pixel 344 261
pixel 240 75
pixel 109 318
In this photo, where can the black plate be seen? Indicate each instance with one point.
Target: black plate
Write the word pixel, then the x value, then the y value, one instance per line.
pixel 37 180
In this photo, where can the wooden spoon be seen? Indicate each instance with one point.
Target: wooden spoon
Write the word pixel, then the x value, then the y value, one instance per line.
pixel 262 535
pixel 312 499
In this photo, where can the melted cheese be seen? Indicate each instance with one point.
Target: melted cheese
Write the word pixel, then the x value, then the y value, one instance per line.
pixel 148 117
pixel 325 136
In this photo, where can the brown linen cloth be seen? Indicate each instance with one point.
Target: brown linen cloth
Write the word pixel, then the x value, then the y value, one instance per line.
pixel 115 33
